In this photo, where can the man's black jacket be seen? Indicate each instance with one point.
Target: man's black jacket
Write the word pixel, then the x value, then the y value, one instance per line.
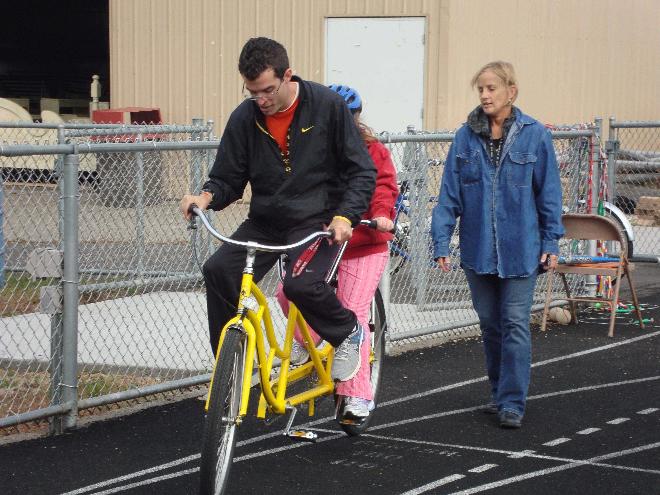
pixel 331 170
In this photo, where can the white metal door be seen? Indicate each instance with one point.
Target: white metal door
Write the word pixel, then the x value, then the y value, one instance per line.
pixel 383 58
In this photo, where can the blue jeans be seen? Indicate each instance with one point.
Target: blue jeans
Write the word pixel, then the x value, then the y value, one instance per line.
pixel 503 306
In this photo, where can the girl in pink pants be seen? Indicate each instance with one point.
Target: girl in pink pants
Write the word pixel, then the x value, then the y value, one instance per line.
pixel 364 260
pixel 357 281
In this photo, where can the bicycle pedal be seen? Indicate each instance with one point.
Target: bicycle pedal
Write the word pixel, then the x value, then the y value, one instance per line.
pixel 307 436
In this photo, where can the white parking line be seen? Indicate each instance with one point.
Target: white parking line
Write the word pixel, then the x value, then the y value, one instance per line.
pixel 618 421
pixel 588 431
pixel 148 481
pixel 136 474
pixel 557 441
pixel 533 397
pixel 112 481
pixel 648 411
pixel 435 484
pixel 532 455
pixel 521 454
pixel 292 446
pixel 482 468
pixel 543 472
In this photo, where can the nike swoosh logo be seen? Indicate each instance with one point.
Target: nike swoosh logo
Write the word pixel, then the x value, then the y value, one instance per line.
pixel 305 129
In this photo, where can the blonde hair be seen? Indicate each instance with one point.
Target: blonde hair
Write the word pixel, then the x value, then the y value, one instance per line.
pixel 503 70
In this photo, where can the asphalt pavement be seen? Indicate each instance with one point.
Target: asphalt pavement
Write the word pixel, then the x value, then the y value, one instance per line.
pixel 592 426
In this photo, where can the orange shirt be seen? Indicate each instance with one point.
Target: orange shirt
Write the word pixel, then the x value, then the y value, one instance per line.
pixel 278 126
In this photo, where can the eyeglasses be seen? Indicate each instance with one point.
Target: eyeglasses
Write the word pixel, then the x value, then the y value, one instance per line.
pixel 249 95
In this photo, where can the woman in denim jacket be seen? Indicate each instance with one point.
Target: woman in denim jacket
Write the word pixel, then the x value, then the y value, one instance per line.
pixel 501 179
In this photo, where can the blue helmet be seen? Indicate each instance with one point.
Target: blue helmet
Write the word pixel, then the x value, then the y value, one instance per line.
pixel 350 96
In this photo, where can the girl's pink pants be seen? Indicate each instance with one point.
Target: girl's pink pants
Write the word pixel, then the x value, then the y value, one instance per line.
pixel 356 284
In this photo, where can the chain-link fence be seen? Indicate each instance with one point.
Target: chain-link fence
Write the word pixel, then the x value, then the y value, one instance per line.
pixel 633 151
pixel 425 300
pixel 138 299
pixel 103 300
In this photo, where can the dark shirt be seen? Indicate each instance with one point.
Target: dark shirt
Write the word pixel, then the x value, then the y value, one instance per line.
pixel 480 125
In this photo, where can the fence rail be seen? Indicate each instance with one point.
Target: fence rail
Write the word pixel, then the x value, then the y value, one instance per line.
pixel 104 302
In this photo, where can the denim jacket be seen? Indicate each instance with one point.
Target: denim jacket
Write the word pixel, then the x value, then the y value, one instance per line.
pixel 510 213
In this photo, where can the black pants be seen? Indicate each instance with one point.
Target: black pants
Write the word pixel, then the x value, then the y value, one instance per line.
pixel 316 300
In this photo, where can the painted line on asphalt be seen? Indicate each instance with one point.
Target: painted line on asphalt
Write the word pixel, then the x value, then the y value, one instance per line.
pixel 148 481
pixel 618 421
pixel 533 397
pixel 543 472
pixel 534 365
pixel 482 468
pixel 136 474
pixel 186 472
pixel 407 398
pixel 435 484
pixel 648 411
pixel 588 431
pixel 557 441
pixel 520 455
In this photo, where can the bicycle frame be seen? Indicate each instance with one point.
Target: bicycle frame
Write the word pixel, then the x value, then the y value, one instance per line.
pixel 253 317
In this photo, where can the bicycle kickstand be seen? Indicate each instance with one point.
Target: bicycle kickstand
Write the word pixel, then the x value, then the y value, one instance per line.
pixel 307 436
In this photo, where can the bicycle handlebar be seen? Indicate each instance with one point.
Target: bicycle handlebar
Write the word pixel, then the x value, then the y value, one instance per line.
pixel 194 209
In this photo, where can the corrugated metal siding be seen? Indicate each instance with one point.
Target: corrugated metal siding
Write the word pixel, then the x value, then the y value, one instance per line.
pixel 574 60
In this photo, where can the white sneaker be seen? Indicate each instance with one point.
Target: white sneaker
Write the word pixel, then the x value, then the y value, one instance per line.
pixel 356 407
pixel 299 354
pixel 348 356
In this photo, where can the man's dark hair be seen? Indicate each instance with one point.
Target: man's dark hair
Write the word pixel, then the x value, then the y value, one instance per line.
pixel 259 54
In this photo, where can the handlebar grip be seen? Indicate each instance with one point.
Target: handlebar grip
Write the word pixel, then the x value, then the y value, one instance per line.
pixel 191 208
pixel 373 224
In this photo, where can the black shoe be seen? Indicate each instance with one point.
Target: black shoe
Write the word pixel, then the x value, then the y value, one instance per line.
pixel 511 420
pixel 490 408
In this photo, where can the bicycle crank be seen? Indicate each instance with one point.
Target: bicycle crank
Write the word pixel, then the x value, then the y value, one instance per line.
pixel 305 435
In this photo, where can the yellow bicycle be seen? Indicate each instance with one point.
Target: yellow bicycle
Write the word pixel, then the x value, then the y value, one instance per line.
pixel 242 339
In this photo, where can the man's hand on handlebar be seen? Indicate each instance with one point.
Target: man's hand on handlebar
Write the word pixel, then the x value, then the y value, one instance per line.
pixel 342 229
pixel 203 201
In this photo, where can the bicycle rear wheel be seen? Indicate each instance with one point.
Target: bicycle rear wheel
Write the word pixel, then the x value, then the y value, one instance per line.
pixel 220 425
pixel 377 326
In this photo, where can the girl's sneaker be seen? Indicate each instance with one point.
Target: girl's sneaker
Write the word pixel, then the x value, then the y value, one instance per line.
pixel 356 407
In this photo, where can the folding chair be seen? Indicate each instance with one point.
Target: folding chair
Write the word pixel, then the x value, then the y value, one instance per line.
pixel 593 227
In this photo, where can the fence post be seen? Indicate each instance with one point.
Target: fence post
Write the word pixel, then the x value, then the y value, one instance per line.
pixel 55 366
pixel 2 239
pixel 591 285
pixel 139 207
pixel 419 226
pixel 196 179
pixel 611 149
pixel 209 164
pixel 70 289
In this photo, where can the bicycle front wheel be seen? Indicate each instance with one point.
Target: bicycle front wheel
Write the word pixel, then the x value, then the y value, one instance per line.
pixel 377 326
pixel 221 419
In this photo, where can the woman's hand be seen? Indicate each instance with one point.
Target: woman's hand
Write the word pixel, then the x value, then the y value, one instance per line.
pixel 549 261
pixel 444 263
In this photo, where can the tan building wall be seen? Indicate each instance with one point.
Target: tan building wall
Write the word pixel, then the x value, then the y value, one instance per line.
pixel 575 59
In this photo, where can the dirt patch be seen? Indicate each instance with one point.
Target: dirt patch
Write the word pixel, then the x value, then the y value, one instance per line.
pixel 24 391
